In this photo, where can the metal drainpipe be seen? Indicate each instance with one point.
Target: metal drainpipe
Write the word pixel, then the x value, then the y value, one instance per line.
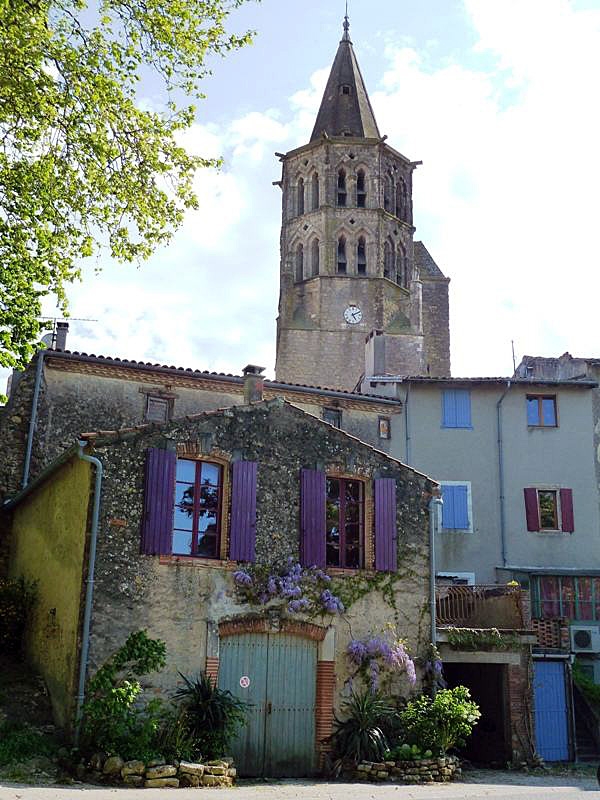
pixel 89 590
pixel 33 418
pixel 407 424
pixel 435 509
pixel 501 473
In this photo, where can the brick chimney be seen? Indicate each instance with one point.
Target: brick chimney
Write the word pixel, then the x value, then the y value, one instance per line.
pixel 62 328
pixel 253 384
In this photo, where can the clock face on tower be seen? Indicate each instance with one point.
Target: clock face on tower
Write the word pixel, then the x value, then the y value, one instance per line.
pixel 352 315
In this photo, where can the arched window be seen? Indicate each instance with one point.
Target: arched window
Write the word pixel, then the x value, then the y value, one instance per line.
pixel 361 256
pixel 300 263
pixel 341 256
pixel 388 260
pixel 314 257
pixel 388 193
pixel 401 264
pixel 401 195
pixel 341 188
pixel 361 190
pixel 315 191
pixel 301 196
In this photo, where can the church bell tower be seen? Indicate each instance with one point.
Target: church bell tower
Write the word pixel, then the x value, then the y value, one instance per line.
pixel 351 274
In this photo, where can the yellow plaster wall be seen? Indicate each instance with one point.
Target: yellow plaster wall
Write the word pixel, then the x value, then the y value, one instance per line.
pixel 48 546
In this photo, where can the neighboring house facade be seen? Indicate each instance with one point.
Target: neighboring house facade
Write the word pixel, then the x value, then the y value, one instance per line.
pixel 183 505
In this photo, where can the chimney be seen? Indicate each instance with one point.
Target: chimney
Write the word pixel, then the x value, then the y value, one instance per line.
pixel 375 354
pixel 62 328
pixel 253 384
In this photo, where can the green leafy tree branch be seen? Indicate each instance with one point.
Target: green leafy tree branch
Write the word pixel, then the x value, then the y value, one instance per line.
pixel 82 164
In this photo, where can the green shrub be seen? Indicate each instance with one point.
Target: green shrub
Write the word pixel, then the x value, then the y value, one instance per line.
pixel 363 734
pixel 17 598
pixel 18 742
pixel 589 689
pixel 111 721
pixel 214 716
pixel 442 722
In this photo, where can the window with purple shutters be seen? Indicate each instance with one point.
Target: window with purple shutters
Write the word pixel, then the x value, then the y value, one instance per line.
pixel 332 520
pixel 157 521
pixel 549 510
pixel 242 534
pixel 197 511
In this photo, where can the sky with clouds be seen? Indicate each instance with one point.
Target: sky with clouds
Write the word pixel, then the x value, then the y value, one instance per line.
pixel 499 100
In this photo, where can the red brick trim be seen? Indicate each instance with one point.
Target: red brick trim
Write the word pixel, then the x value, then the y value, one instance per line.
pixel 324 706
pixel 261 625
pixel 212 668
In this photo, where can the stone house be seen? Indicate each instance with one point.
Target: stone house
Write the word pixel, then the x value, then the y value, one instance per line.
pixel 146 526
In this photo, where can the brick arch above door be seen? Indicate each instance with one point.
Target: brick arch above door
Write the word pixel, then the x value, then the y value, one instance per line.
pixel 307 630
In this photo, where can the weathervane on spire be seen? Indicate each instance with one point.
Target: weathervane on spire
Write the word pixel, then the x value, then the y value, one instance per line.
pixel 346 36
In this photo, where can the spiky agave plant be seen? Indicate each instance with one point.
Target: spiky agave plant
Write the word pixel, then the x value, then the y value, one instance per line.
pixel 361 735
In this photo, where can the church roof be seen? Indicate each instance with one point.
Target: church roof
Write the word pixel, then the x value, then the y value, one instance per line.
pixel 425 264
pixel 345 108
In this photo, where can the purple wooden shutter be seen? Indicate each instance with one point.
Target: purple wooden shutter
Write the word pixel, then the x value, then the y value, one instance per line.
pixel 242 535
pixel 312 518
pixel 159 500
pixel 532 513
pixel 566 510
pixel 385 525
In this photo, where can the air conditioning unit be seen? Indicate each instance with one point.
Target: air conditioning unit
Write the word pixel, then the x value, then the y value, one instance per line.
pixel 585 639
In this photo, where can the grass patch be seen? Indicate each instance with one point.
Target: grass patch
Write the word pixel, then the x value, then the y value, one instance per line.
pixel 19 742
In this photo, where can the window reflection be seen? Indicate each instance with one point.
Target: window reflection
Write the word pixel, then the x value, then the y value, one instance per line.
pixel 196 517
pixel 344 523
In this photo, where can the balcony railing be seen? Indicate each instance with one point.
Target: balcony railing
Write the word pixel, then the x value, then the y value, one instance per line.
pixel 503 607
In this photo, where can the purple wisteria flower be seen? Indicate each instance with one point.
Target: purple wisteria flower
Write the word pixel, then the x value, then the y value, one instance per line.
pixel 242 578
pixel 374 674
pixel 410 671
pixel 357 651
pixel 331 603
pixel 302 604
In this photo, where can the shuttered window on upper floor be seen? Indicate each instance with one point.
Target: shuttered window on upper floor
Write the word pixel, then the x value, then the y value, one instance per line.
pixel 456 511
pixel 456 408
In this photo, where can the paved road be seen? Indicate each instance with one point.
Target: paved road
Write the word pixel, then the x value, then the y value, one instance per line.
pixel 478 784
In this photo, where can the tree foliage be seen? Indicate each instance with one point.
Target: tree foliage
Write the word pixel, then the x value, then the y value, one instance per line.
pixel 83 162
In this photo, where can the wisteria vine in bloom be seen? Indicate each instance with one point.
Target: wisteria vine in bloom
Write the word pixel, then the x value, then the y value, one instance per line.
pixel 304 589
pixel 372 654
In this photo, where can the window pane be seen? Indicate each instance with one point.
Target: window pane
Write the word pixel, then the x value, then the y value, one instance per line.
pixel 182 543
pixel 547 501
pixel 183 514
pixel 207 521
pixel 584 592
pixel 210 474
pixel 332 544
pixel 186 470
pixel 333 490
pixel 209 498
pixel 568 597
pixel 549 411
pixel 596 601
pixel 533 415
pixel 352 560
pixel 549 596
pixel 353 512
pixel 207 545
pixel 352 493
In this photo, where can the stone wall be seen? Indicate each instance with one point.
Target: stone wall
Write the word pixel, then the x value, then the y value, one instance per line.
pixel 423 770
pixel 182 600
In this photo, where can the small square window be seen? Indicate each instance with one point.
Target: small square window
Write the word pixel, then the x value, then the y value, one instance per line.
pixel 456 408
pixel 541 411
pixel 346 89
pixel 333 416
pixel 456 510
pixel 157 409
pixel 384 428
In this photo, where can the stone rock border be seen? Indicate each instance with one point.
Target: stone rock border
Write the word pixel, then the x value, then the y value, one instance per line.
pixel 425 770
pixel 157 773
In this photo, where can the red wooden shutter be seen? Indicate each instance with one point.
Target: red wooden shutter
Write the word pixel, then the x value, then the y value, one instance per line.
pixel 532 513
pixel 566 510
pixel 312 518
pixel 385 525
pixel 242 535
pixel 159 500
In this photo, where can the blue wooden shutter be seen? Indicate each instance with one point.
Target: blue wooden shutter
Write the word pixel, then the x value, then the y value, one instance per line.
pixel 242 534
pixel 455 512
pixel 456 408
pixel 159 500
pixel 312 518
pixel 532 513
pixel 385 524
pixel 566 510
pixel 448 409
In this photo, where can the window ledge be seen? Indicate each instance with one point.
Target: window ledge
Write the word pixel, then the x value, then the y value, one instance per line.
pixel 456 530
pixel 542 427
pixel 198 561
pixel 456 427
pixel 551 532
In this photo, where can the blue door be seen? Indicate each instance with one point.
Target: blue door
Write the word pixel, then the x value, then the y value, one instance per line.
pixel 276 673
pixel 550 698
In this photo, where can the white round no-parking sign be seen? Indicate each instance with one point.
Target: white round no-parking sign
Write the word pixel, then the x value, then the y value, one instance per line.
pixel 244 681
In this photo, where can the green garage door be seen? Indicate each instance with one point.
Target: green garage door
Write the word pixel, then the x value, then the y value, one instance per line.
pixel 277 674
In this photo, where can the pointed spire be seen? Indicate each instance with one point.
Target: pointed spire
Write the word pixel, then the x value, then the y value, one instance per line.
pixel 345 108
